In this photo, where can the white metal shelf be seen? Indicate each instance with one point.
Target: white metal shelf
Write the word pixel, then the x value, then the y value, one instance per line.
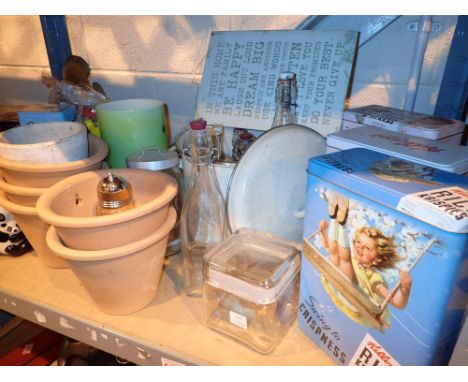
pixel 168 331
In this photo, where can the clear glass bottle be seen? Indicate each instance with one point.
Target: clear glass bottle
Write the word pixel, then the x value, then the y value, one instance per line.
pixel 286 97
pixel 203 220
pixel 217 134
pixel 242 143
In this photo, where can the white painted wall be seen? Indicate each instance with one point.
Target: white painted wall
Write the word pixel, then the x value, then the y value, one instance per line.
pixel 162 57
pixel 383 65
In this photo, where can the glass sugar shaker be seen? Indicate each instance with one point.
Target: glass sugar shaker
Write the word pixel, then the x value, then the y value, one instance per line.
pixel 286 97
pixel 114 195
pixel 203 220
pixel 167 161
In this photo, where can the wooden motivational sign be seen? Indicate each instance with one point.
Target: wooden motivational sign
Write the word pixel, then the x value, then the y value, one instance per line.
pixel 242 68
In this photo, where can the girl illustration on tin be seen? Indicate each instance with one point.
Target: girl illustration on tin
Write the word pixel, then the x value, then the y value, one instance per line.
pixel 361 259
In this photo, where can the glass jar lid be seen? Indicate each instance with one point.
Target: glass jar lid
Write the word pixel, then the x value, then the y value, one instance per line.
pixel 152 158
pixel 253 264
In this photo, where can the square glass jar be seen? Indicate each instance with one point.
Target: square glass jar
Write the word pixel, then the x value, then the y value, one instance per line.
pixel 251 288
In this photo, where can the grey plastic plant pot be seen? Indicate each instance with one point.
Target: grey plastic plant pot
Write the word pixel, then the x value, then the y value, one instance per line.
pixel 51 142
pixel 45 175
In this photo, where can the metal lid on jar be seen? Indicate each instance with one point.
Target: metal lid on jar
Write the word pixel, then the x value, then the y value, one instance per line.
pixel 152 158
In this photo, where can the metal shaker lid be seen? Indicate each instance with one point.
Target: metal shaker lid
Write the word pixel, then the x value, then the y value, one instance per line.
pixel 152 158
pixel 114 191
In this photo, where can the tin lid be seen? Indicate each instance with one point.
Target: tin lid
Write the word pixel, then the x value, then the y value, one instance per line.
pixel 442 155
pixel 267 189
pixel 253 265
pixel 152 158
pixel 403 121
pixel 436 197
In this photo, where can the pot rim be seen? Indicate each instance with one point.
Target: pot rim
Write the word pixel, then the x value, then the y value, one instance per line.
pixel 44 203
pixel 55 244
pixel 20 190
pixel 15 208
pixel 101 151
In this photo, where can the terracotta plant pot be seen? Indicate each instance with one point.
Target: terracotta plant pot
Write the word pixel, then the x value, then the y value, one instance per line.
pixel 35 231
pixel 51 142
pixel 70 206
pixel 25 196
pixel 45 175
pixel 120 280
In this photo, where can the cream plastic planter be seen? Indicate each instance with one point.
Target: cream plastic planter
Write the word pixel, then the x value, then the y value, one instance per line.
pixel 45 175
pixel 35 231
pixel 25 196
pixel 120 280
pixel 70 206
pixel 51 142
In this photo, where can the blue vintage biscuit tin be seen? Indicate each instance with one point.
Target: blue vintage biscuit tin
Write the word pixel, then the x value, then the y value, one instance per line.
pixel 384 277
